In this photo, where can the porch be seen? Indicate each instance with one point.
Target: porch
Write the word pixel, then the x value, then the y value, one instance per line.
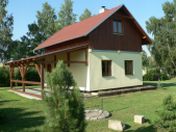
pixel 76 58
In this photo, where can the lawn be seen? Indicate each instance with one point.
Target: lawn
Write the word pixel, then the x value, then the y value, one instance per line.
pixel 20 114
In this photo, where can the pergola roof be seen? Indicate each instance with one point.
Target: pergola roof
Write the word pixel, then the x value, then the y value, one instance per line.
pixel 41 57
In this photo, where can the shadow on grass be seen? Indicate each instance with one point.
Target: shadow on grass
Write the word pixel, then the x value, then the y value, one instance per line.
pixel 16 119
pixel 6 101
pixel 162 84
pixel 150 128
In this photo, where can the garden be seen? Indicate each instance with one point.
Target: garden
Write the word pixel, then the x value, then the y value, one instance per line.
pixel 21 114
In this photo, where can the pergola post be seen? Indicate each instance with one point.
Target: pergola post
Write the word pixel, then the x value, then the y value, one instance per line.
pixel 11 76
pixel 86 56
pixel 68 59
pixel 42 79
pixel 23 70
pixel 55 61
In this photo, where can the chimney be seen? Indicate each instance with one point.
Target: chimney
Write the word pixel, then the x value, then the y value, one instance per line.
pixel 103 9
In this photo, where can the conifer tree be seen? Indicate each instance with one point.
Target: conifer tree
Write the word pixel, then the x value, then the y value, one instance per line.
pixel 86 14
pixel 168 115
pixel 66 15
pixel 65 104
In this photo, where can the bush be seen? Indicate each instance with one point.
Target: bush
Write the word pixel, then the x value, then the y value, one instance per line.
pixel 65 107
pixel 168 115
pixel 4 77
pixel 154 74
pixel 32 75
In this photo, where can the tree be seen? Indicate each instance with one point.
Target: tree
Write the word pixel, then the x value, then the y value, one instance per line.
pixel 39 31
pixel 65 106
pixel 21 48
pixel 66 15
pixel 164 32
pixel 45 26
pixel 6 27
pixel 145 60
pixel 86 14
pixel 168 115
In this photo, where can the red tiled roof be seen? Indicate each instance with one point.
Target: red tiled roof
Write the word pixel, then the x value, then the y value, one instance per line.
pixel 77 30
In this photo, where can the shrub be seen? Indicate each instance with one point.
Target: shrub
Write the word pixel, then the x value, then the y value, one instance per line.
pixel 65 107
pixel 32 75
pixel 168 115
pixel 154 75
pixel 4 77
pixel 17 75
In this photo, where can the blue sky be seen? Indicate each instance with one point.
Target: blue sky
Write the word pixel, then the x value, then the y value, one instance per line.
pixel 24 11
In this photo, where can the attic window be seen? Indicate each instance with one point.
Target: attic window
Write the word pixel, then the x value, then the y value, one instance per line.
pixel 117 26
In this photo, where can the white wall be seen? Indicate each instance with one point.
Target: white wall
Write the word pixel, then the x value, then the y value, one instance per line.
pixel 118 78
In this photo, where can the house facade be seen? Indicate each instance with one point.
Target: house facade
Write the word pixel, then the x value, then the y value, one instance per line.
pixel 102 52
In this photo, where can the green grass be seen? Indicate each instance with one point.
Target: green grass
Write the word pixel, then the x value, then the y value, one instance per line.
pixel 20 114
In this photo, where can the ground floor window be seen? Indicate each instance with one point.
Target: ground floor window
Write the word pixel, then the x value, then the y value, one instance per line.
pixel 106 67
pixel 128 67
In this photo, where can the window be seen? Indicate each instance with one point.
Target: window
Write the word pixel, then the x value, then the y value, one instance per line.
pixel 106 67
pixel 128 67
pixel 117 26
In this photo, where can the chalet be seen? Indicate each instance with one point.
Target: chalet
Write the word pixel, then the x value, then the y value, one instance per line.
pixel 102 52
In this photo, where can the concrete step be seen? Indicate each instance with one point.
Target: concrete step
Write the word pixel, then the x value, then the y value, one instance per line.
pixel 126 90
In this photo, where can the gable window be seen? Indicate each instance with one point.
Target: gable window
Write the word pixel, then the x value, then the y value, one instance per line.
pixel 117 26
pixel 128 67
pixel 106 68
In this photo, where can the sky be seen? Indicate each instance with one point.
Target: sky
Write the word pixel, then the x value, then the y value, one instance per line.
pixel 24 11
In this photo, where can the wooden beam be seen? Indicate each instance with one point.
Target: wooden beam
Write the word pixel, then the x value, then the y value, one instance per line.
pixel 55 60
pixel 11 70
pixel 37 67
pixel 26 82
pixel 86 56
pixel 42 79
pixel 81 62
pixel 68 59
pixel 23 70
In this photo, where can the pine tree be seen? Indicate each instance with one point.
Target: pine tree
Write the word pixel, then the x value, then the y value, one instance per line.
pixel 168 115
pixel 86 14
pixel 6 27
pixel 66 15
pixel 65 107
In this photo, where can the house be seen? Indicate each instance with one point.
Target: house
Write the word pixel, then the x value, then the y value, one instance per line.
pixel 102 52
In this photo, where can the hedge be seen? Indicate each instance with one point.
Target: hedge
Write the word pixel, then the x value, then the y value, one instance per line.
pixel 31 75
pixel 155 75
pixel 4 77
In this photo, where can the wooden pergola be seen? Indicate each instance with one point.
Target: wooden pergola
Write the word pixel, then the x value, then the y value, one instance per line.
pixel 38 62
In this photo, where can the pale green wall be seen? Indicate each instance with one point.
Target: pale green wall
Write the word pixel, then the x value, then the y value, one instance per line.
pixel 118 78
